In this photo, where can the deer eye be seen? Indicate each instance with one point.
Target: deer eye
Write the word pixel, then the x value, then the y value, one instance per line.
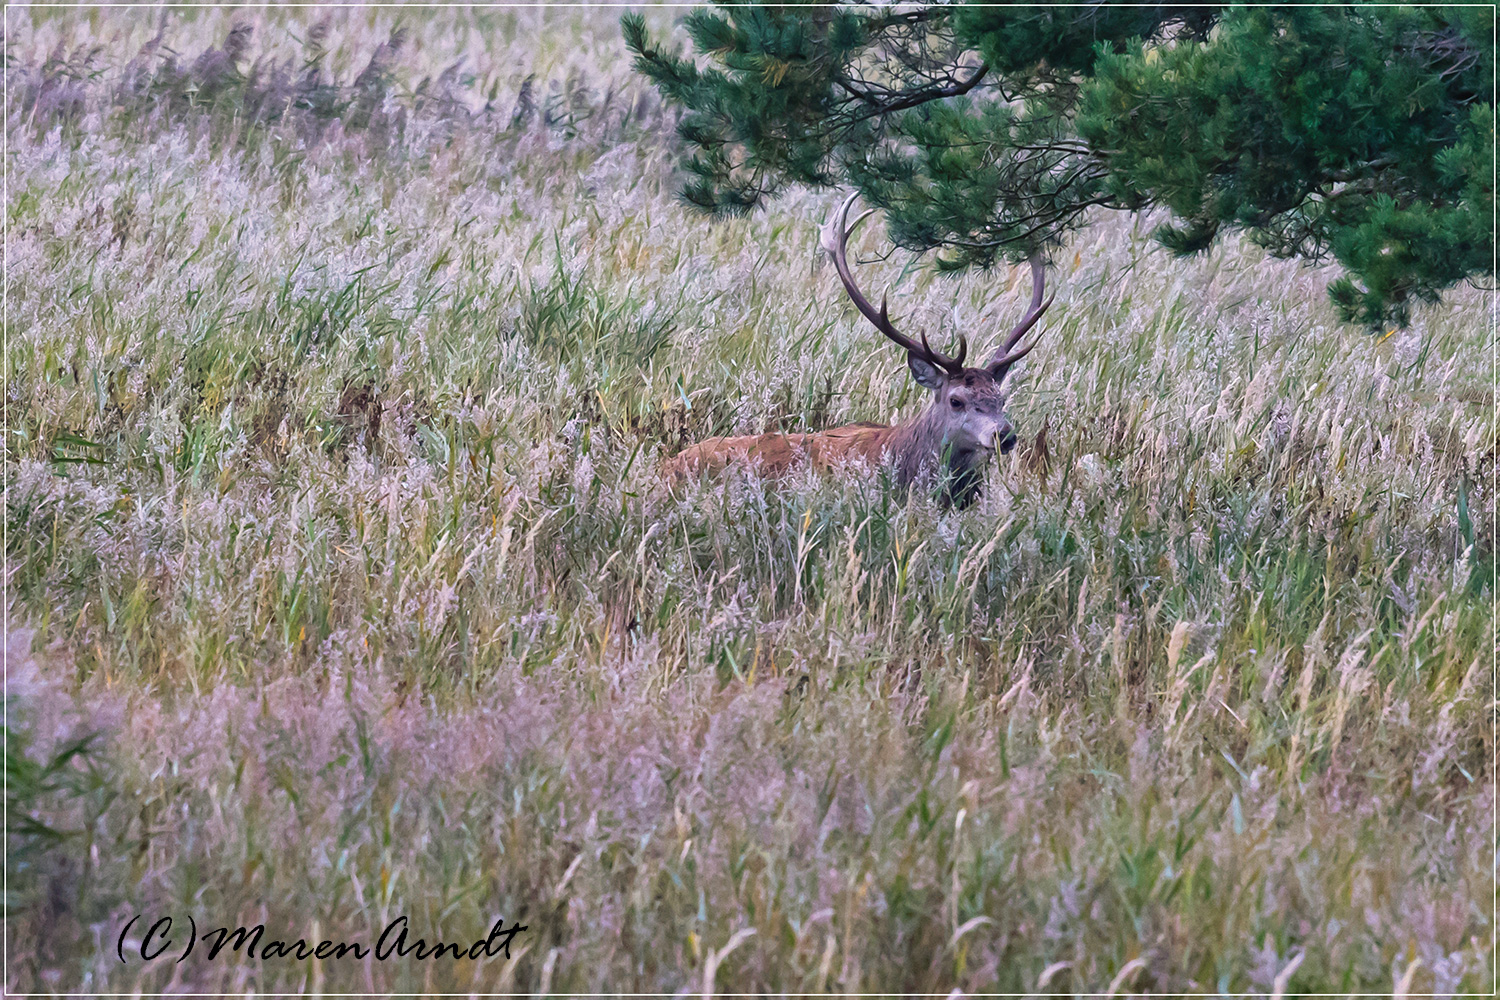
pixel 957 404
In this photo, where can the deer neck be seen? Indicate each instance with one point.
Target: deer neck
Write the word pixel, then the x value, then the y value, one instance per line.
pixel 920 452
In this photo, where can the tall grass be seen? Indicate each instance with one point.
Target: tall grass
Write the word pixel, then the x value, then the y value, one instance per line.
pixel 333 412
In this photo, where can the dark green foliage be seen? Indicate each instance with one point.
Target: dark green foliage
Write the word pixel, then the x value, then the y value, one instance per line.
pixel 1359 134
pixel 67 772
pixel 1335 131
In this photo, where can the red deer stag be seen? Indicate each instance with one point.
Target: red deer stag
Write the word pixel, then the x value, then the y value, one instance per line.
pixel 951 441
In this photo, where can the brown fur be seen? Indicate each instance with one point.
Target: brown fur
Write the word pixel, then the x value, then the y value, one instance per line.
pixel 775 455
pixel 961 436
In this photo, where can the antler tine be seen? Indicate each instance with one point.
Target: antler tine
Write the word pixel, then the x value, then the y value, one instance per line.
pixel 1008 354
pixel 1002 365
pixel 834 238
pixel 1035 310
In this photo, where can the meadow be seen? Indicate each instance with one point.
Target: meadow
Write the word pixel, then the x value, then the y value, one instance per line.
pixel 340 357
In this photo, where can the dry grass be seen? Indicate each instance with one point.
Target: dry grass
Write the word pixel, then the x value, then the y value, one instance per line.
pixel 333 406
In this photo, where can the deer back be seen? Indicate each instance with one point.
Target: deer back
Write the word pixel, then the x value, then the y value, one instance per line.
pixel 775 455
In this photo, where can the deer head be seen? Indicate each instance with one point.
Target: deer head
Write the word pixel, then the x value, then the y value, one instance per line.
pixel 966 420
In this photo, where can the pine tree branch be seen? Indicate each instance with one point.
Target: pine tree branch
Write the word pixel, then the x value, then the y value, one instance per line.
pixel 916 98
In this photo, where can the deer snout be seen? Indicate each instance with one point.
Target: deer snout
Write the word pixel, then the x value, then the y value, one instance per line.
pixel 1007 439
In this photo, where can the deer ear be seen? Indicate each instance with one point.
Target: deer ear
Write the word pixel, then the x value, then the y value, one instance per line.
pixel 925 372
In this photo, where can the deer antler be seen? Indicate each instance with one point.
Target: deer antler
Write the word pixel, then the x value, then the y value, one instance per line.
pixel 835 240
pixel 1008 354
